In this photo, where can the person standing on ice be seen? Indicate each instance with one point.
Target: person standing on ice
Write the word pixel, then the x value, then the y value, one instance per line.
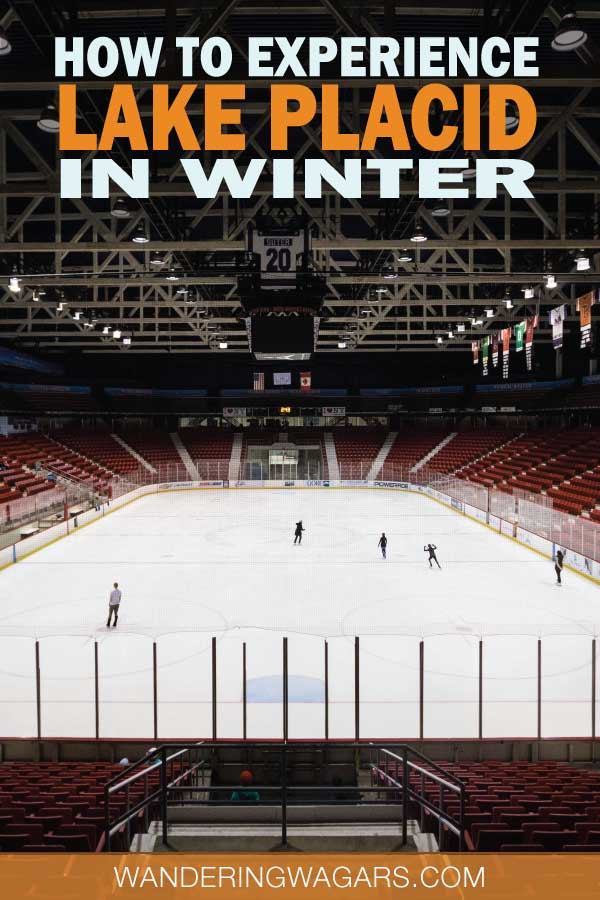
pixel 382 543
pixel 558 565
pixel 298 532
pixel 431 548
pixel 114 602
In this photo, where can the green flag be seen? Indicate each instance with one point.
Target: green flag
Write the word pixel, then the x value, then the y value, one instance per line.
pixel 520 335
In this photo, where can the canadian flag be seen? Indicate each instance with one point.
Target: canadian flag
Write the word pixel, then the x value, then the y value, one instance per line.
pixel 305 381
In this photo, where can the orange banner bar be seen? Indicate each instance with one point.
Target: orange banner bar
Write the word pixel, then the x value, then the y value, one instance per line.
pixel 252 876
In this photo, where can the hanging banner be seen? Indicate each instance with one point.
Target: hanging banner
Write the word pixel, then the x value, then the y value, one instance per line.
pixel 475 351
pixel 485 350
pixel 305 381
pixel 505 335
pixel 584 308
pixel 520 336
pixel 494 350
pixel 531 323
pixel 557 318
pixel 282 378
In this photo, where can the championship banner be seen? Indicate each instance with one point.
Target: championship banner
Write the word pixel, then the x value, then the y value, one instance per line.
pixel 485 354
pixel 531 323
pixel 520 336
pixel 505 335
pixel 584 308
pixel 475 351
pixel 557 318
pixel 305 380
pixel 495 338
pixel 282 378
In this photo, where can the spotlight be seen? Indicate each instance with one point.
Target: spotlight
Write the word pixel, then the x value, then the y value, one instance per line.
pixel 489 313
pixel 405 256
pixel 35 296
pixel 127 341
pixel 508 301
pixel 582 261
pixel 569 35
pixel 172 276
pixel 550 281
pixel 469 172
pixel 48 120
pixel 106 329
pixel 381 290
pixel 511 116
pixel 116 334
pixel 223 345
pixel 14 285
pixel 77 316
pixel 342 345
pixel 388 272
pixel 182 290
pixel 440 340
pixel 418 236
pixel 450 334
pixel 528 293
pixel 120 209
pixel 5 44
pixel 140 235
pixel 460 328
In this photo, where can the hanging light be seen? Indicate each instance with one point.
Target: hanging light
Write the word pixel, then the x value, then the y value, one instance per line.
pixel 14 284
pixel 418 235
pixel 440 340
pixel 551 282
pixel 5 44
pixel 77 316
pixel 470 171
pixel 511 116
pixel 438 208
pixel 381 290
pixel 223 345
pixel 405 256
pixel 35 296
pixel 120 209
pixel 172 276
pixel 140 235
pixel 116 334
pixel 528 292
pixel 582 261
pixel 489 313
pixel 389 272
pixel 157 260
pixel 127 341
pixel 508 300
pixel 342 345
pixel 182 290
pixel 570 33
pixel 48 120
pixel 106 329
pixel 450 334
pixel 460 328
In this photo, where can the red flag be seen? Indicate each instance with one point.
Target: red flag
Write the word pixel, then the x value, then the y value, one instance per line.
pixel 305 381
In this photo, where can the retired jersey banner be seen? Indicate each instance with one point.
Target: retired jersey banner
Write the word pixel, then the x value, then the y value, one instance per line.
pixel 584 308
pixel 505 335
pixel 485 354
pixel 557 318
pixel 475 351
pixel 531 323
pixel 520 336
pixel 494 350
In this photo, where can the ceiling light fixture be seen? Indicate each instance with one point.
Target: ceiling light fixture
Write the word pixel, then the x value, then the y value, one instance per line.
pixel 551 282
pixel 439 209
pixel 489 313
pixel 127 341
pixel 570 33
pixel 116 334
pixel 342 345
pixel 5 44
pixel 140 235
pixel 48 120
pixel 157 260
pixel 14 284
pixel 418 235
pixel 528 292
pixel 582 261
pixel 120 209
pixel 223 345
pixel 405 256
pixel 511 116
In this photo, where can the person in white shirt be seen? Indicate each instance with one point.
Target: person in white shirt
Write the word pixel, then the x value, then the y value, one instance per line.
pixel 113 605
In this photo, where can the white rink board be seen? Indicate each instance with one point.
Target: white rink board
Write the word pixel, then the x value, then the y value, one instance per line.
pixel 217 562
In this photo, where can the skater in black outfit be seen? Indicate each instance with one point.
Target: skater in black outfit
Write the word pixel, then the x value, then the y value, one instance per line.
pixel 558 565
pixel 298 532
pixel 431 548
pixel 382 543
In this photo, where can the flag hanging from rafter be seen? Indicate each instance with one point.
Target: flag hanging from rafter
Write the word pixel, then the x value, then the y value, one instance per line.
pixel 531 323
pixel 584 308
pixel 475 351
pixel 505 335
pixel 494 350
pixel 305 380
pixel 557 318
pixel 520 335
pixel 259 381
pixel 485 353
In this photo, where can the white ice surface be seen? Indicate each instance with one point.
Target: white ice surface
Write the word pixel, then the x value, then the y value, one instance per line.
pixel 198 564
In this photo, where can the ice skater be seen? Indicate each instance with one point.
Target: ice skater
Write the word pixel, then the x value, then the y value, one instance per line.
pixel 113 605
pixel 298 532
pixel 431 548
pixel 383 544
pixel 558 565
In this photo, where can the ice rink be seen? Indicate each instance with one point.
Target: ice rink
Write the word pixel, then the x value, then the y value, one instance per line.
pixel 222 563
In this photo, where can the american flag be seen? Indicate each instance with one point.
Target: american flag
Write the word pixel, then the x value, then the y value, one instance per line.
pixel 259 381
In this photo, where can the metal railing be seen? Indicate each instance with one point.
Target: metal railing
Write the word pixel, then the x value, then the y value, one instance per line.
pixel 176 774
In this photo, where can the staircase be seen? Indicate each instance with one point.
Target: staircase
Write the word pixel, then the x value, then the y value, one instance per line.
pixel 236 456
pixel 143 462
pixel 186 459
pixel 436 449
pixel 331 456
pixel 381 457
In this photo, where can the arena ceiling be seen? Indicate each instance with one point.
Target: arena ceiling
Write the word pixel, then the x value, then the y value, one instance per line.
pixel 83 278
